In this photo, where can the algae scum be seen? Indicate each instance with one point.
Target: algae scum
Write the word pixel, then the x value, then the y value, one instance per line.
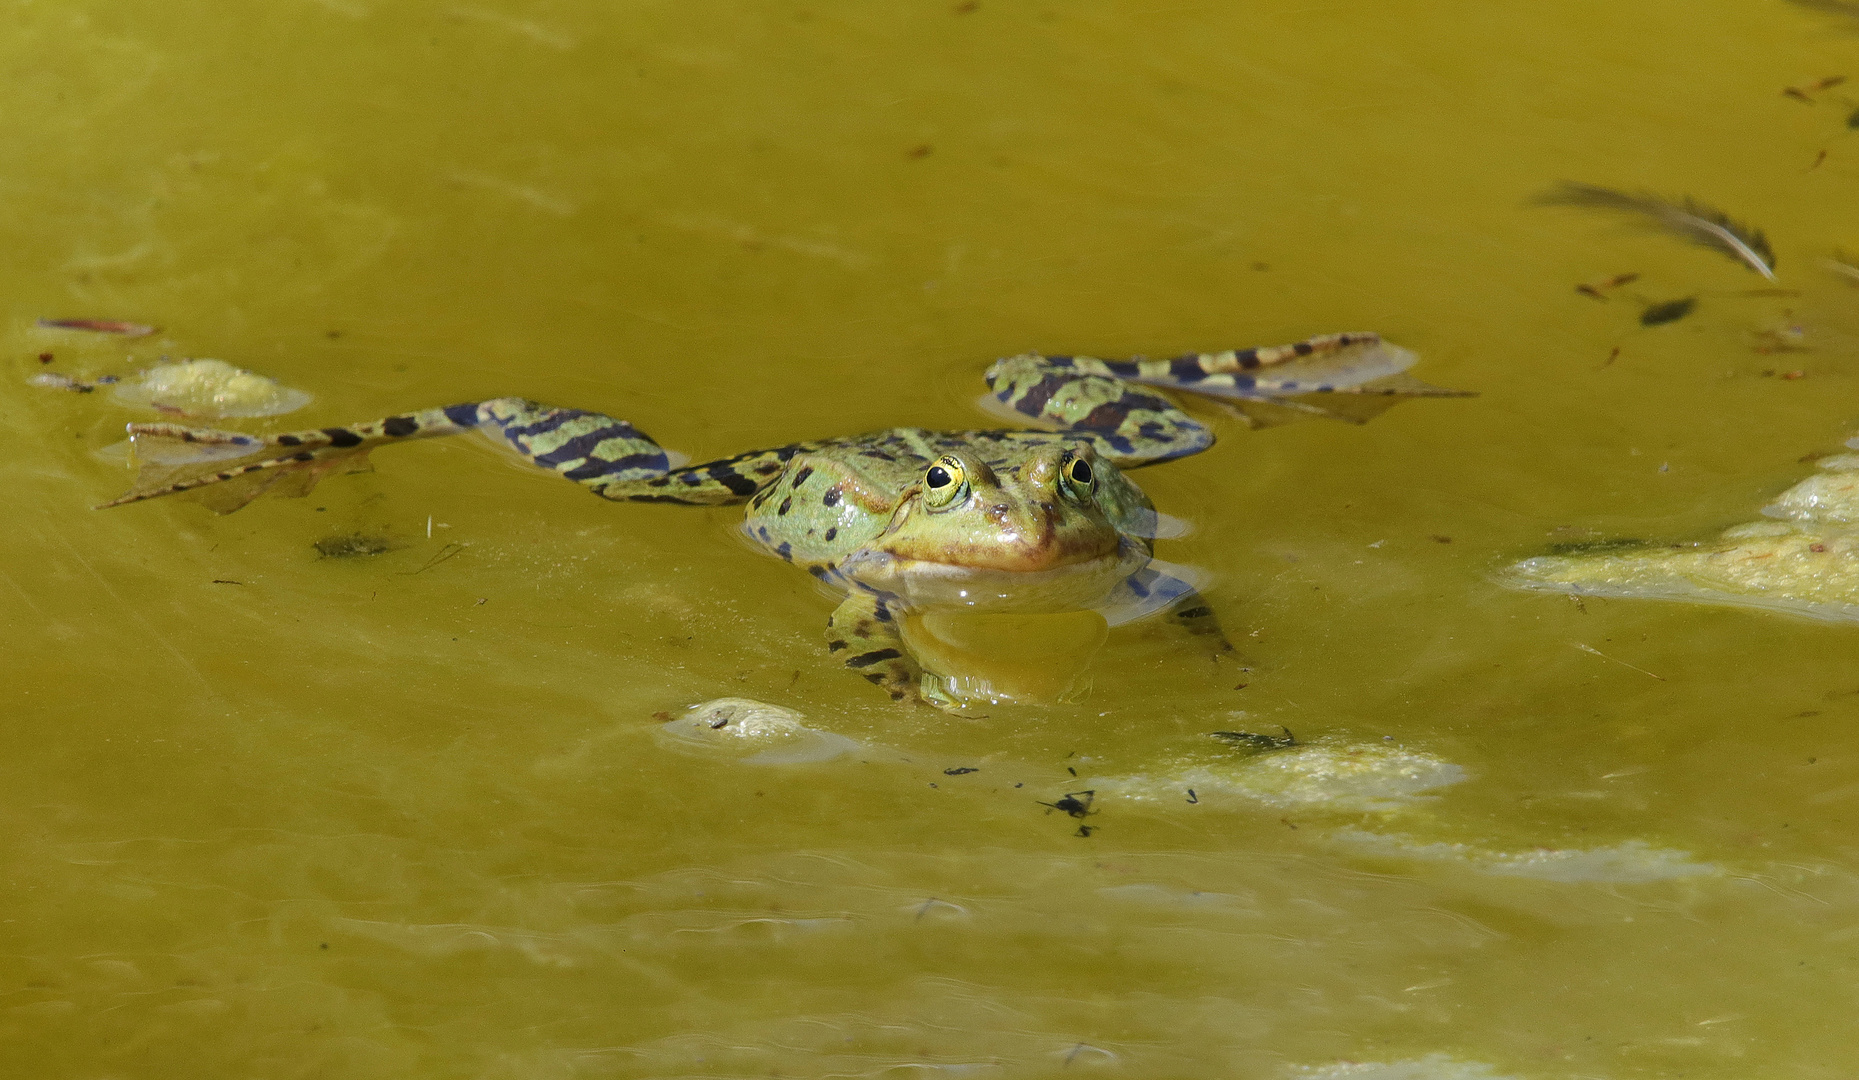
pixel 449 770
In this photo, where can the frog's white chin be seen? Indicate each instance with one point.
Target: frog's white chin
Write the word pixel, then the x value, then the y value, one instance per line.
pixel 925 585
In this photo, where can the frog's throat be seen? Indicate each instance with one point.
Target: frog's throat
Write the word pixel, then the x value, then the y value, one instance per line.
pixel 922 585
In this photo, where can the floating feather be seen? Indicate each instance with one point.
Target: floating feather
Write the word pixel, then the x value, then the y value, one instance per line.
pixel 1686 218
pixel 1845 8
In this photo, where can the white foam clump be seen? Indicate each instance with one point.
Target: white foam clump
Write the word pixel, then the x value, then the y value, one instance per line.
pixel 1630 862
pixel 208 389
pixel 1430 1067
pixel 762 734
pixel 1350 777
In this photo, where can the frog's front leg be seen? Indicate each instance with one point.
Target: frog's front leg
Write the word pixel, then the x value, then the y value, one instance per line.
pixel 1163 587
pixel 864 629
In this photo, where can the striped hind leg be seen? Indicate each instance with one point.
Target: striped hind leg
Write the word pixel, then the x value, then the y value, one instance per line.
pixel 1107 400
pixel 228 469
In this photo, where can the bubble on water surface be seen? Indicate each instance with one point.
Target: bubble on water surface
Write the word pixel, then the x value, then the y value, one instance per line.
pixel 1624 863
pixel 764 734
pixel 1350 777
pixel 208 389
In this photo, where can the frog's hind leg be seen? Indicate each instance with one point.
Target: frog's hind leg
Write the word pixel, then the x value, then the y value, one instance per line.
pixel 228 469
pixel 864 628
pixel 1107 400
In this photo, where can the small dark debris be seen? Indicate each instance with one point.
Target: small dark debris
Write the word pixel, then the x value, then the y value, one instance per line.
pixel 1852 119
pixel 45 358
pixel 1071 804
pixel 662 716
pixel 1595 547
pixel 1192 797
pixel 352 546
pixel 921 150
pixel 1669 311
pixel 966 7
pixel 1251 740
pixel 1818 549
pixel 1086 830
pixel 1071 770
pixel 332 334
pixel 1439 539
pixel 226 581
pixel 961 771
pixel 719 723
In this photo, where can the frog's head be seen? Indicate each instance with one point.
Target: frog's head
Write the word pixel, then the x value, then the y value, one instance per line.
pixel 1037 531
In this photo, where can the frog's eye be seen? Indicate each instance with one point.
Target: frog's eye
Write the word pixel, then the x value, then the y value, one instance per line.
pixel 1075 477
pixel 943 483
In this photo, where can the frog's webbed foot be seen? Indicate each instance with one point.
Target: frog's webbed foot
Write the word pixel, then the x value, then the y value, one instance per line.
pixel 864 630
pixel 1165 587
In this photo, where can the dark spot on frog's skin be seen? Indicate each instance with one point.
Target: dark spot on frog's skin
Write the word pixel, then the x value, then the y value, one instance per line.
pixel 832 533
pixel 289 440
pixel 831 498
pixel 399 426
pixel 883 613
pixel 801 476
pixel 1303 348
pixel 1187 369
pixel 820 572
pixel 762 531
pixel 786 505
pixel 835 646
pixel 873 657
pixel 342 437
pixel 786 551
pixel 658 481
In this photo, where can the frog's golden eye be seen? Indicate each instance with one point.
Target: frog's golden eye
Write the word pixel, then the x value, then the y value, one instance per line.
pixel 944 483
pixel 1080 472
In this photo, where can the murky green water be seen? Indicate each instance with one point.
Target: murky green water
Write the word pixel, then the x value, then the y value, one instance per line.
pixel 274 814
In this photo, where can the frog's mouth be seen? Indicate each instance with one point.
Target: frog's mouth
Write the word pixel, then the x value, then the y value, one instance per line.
pixel 925 584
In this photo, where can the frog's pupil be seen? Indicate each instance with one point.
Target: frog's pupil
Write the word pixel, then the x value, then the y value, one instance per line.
pixel 937 476
pixel 1081 472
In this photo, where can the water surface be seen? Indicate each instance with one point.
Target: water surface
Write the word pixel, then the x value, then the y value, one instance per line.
pixel 275 813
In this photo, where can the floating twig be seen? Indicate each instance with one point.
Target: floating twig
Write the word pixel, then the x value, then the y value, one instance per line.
pixel 101 326
pixel 1622 663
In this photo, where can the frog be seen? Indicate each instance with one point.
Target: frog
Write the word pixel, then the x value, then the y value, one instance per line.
pixel 1040 517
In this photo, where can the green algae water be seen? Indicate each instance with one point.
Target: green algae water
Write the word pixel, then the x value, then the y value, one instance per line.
pixel 400 780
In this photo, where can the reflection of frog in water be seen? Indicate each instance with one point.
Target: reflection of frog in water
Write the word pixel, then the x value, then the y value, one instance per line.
pixel 904 520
